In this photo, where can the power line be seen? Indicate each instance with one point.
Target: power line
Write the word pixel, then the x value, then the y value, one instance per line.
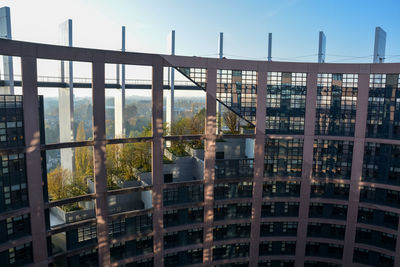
pixel 290 58
pixel 351 58
pixel 208 55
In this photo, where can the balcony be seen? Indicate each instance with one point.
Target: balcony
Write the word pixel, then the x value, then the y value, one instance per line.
pixel 238 250
pixel 134 225
pixel 184 258
pixel 183 195
pixel 233 190
pixel 372 258
pixel 324 250
pixel 324 230
pixel 278 229
pixel 277 248
pixel 232 211
pixel 330 190
pixel 281 189
pixel 234 168
pixel 331 211
pixel 280 209
pixel 380 196
pixel 378 217
pixel 183 238
pixel 232 231
pixel 131 248
pixel 183 217
pixel 375 238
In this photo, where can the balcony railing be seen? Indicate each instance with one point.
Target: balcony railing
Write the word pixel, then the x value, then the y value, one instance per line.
pixel 234 168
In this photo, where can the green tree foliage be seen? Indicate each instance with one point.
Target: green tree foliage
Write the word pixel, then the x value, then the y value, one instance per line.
pixel 231 120
pixel 198 127
pixel 131 113
pixel 110 130
pixel 124 162
pixel 57 183
pixel 187 126
pixel 83 155
pixel 63 184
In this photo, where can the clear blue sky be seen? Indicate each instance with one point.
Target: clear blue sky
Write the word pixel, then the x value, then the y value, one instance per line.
pixel 349 26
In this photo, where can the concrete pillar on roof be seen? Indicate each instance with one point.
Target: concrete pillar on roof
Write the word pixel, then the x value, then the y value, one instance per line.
pixel 66 99
pixel 380 45
pixel 119 98
pixel 5 32
pixel 270 46
pixel 170 95
pixel 321 47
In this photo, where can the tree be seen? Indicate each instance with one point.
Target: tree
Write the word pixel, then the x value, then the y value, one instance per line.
pixel 83 155
pixel 114 171
pixel 57 183
pixel 62 184
pixel 124 161
pixel 197 125
pixel 231 120
pixel 52 133
pixel 131 114
pixel 110 131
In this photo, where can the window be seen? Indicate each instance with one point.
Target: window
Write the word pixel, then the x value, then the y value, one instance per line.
pixel 332 159
pixel 237 89
pixel 11 121
pixel 170 196
pixel 87 233
pixel 283 158
pixel 383 120
pixel 336 104
pixel 196 193
pixel 116 227
pixel 20 255
pixel 13 181
pixel 381 163
pixel 18 226
pixel 197 75
pixel 171 218
pixel 285 102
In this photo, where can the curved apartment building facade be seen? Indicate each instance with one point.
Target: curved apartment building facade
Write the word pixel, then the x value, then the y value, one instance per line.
pixel 314 182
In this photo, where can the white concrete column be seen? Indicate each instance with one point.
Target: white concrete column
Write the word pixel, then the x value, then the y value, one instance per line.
pixel 270 46
pixel 66 100
pixel 380 45
pixel 5 32
pixel 170 95
pixel 119 99
pixel 321 47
